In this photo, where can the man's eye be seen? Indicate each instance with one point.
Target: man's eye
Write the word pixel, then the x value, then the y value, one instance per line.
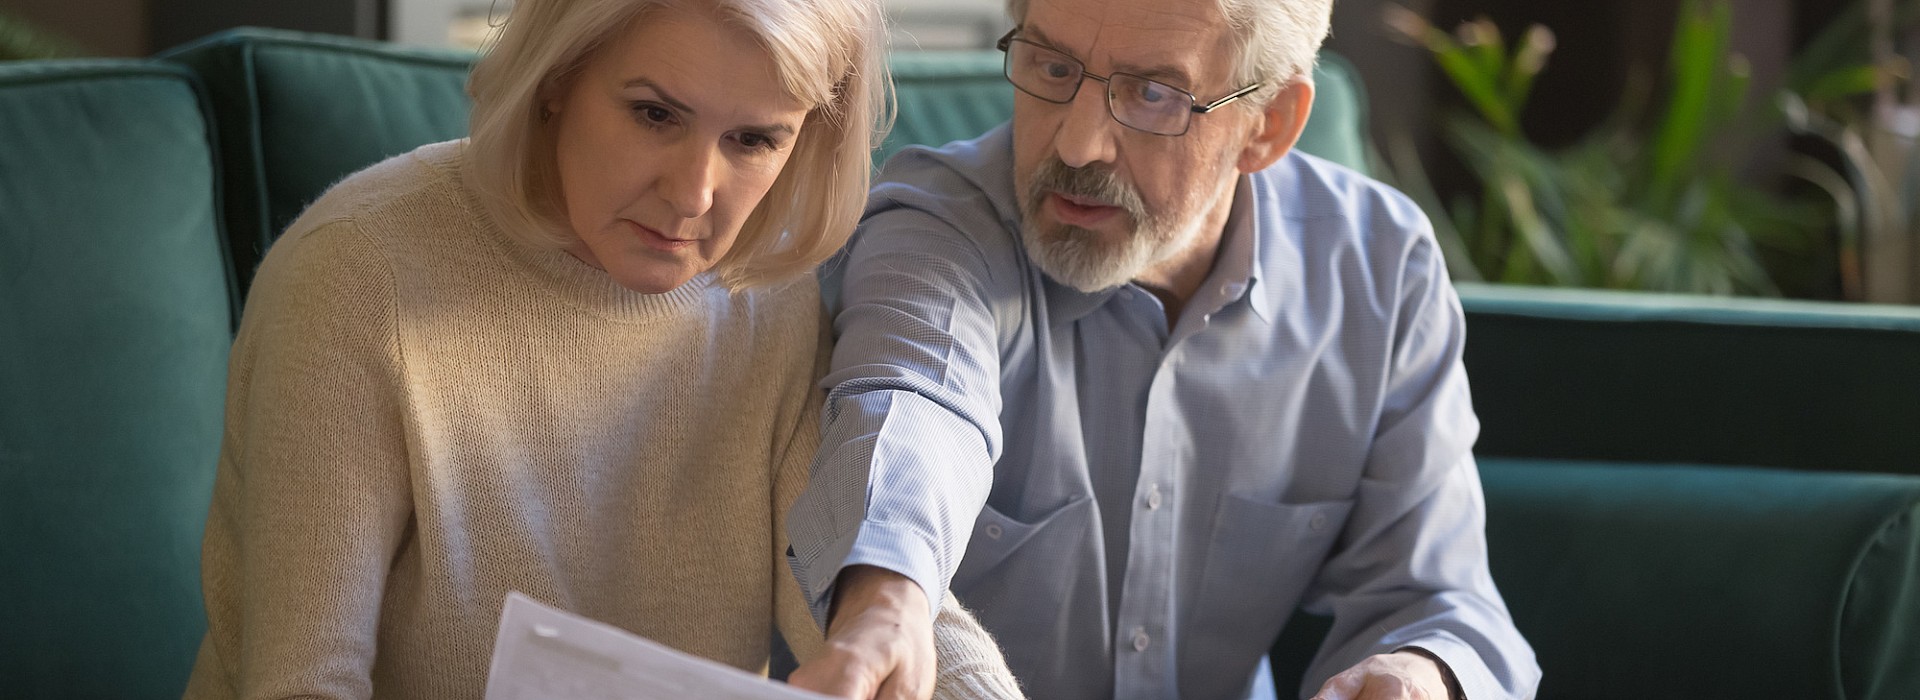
pixel 1056 70
pixel 1151 93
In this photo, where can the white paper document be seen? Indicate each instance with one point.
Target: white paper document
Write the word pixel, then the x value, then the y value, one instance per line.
pixel 543 653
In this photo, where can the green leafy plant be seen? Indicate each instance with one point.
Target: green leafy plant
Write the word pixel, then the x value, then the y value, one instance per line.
pixel 1853 90
pixel 1639 203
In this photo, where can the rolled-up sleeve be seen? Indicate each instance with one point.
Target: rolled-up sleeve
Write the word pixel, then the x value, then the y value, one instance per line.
pixel 1412 562
pixel 911 426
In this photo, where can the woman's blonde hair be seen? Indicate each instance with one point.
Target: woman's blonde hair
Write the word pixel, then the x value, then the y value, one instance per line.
pixel 828 53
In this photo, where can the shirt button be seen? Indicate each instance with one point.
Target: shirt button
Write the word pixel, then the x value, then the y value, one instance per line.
pixel 993 530
pixel 1153 497
pixel 1140 640
pixel 1319 521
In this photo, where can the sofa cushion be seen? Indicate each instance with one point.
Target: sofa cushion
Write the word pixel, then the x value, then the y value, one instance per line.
pixel 297 112
pixel 114 327
pixel 1683 581
pixel 1632 376
pixel 953 95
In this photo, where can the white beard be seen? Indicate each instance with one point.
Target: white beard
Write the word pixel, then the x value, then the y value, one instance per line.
pixel 1080 258
pixel 1076 257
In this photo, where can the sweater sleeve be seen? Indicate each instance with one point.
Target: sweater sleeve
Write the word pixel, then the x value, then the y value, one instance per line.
pixel 311 495
pixel 969 665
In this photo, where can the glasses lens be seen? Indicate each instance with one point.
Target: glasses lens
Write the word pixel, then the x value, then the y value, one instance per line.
pixel 1149 106
pixel 1043 73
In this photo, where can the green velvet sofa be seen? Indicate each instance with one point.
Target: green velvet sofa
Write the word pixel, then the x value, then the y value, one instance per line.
pixel 1686 497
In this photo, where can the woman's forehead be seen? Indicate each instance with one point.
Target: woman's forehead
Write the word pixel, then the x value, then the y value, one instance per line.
pixel 708 67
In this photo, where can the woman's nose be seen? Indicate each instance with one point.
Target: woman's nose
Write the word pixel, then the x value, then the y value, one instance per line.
pixel 688 184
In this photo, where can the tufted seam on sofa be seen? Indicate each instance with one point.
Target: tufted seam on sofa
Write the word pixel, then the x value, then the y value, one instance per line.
pixel 1899 535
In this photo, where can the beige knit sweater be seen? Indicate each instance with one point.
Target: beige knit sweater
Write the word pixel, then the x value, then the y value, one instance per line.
pixel 424 415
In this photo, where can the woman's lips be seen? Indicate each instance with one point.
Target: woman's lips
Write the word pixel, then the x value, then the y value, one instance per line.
pixel 660 241
pixel 1080 211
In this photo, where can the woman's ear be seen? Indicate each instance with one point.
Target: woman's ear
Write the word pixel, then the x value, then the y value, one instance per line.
pixel 1281 121
pixel 548 97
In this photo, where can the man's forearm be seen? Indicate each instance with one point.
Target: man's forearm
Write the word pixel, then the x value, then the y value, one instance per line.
pixel 862 588
pixel 879 640
pixel 897 485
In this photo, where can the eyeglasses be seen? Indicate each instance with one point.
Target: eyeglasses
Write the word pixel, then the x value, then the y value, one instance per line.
pixel 1148 105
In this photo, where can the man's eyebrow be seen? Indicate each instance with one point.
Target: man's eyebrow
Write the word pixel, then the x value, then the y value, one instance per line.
pixel 769 129
pixel 1163 72
pixel 1034 34
pixel 1170 74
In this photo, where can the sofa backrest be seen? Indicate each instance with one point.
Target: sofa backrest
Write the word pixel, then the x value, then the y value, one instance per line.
pixel 297 112
pixel 1598 375
pixel 114 325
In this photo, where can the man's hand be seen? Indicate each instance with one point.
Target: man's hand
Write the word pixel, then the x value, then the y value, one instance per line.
pixel 879 640
pixel 1402 675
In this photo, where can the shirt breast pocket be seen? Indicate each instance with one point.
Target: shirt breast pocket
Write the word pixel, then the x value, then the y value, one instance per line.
pixel 1005 548
pixel 1260 559
pixel 1032 581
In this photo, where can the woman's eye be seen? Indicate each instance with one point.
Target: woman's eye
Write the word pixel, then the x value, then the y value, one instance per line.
pixel 758 143
pixel 652 113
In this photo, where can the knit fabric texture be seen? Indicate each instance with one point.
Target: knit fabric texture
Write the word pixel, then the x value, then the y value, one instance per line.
pixel 424 414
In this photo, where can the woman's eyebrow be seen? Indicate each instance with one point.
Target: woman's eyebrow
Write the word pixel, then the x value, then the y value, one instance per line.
pixel 662 93
pixel 667 97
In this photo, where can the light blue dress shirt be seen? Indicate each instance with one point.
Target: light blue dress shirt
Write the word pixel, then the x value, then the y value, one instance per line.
pixel 1141 508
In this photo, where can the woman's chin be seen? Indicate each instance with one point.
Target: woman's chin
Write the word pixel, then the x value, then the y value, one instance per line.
pixel 652 279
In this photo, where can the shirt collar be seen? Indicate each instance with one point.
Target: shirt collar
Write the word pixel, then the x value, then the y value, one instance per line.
pixel 1066 304
pixel 1236 271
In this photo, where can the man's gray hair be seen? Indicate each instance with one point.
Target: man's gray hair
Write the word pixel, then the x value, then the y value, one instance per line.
pixel 1278 39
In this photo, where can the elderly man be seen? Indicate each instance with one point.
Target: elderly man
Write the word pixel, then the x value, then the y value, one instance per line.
pixel 1138 381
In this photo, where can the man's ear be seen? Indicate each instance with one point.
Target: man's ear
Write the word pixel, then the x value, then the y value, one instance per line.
pixel 1280 124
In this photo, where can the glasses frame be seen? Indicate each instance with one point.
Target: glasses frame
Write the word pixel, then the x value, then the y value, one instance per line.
pixel 1193 107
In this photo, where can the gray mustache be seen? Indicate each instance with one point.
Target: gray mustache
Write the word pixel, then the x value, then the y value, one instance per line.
pixel 1092 182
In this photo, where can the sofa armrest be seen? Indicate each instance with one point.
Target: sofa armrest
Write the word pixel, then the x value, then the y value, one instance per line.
pixel 1675 581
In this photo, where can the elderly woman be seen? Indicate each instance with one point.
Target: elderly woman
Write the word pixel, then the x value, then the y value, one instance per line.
pixel 572 355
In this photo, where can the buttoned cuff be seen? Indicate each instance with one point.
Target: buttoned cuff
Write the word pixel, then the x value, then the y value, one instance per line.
pixel 1446 672
pixel 878 544
pixel 1467 674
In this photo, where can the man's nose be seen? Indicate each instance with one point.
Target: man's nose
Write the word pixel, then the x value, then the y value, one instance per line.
pixel 1087 135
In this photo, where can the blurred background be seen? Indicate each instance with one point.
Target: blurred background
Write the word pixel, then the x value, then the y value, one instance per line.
pixel 1750 147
